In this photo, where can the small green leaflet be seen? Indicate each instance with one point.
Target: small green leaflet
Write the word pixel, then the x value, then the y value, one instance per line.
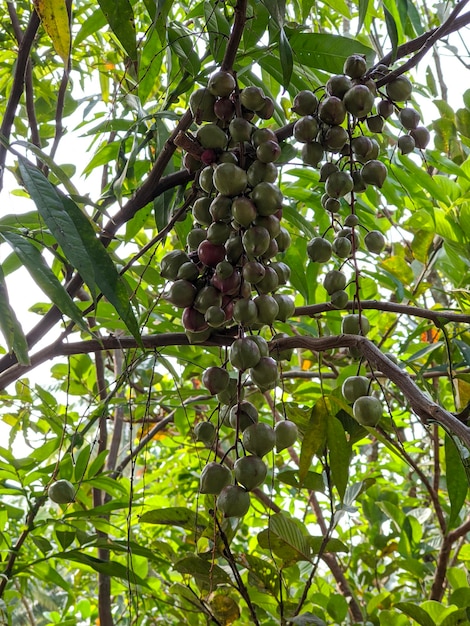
pixel 10 327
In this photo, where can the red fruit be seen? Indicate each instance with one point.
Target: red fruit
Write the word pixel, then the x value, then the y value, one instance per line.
pixel 208 156
pixel 210 253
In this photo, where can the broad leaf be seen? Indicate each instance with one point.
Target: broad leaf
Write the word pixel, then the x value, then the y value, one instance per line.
pixel 314 438
pixel 55 19
pixel 120 17
pixel 456 478
pixel 10 326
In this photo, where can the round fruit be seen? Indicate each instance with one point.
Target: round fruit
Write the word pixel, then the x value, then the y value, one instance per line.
pixel 354 387
pixel 305 103
pixel 195 237
pixel 374 241
pixel 193 320
pixel 259 172
pixel 61 492
pixel 374 173
pixel 240 129
pixel 367 410
pixel 221 84
pixel 230 394
pixel 224 109
pixel 359 101
pixel 201 104
pixel 215 316
pixel 385 108
pixel 409 118
pixel 252 98
pixel 256 241
pixel 319 250
pixel 260 135
pixel 312 153
pixel 406 144
pixel 334 281
pixel 338 85
pixel 244 354
pixel 259 439
pixel 245 312
pixel 233 501
pixel 335 138
pixel 211 136
pixel 342 247
pixel 355 66
pixel 421 136
pixel 188 271
pixel 171 263
pixel 267 198
pixel 269 282
pixel 268 152
pixel 267 309
pixel 250 471
pixel 265 374
pixel 361 145
pixel 214 477
pixel 306 129
pixel 339 299
pixel 375 123
pixel 286 307
pixel 215 379
pixel 359 184
pixel 332 111
pixel 243 414
pixel 210 253
pixel 283 240
pixel 243 211
pixel 229 179
pixel 286 433
pixel 267 110
pixel 205 433
pixel 338 184
pixel 181 293
pixel 399 89
pixel 327 169
pixel 218 232
pixel 355 324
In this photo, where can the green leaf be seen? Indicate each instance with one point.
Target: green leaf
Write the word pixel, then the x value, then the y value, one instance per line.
pixel 456 478
pixel 392 31
pixel 462 120
pixel 339 454
pixel 314 437
pixel 332 545
pixel 120 17
pixel 10 326
pixel 44 277
pixel 205 571
pixel 363 8
pixel 415 612
pixel 288 531
pixel 77 238
pixel 312 481
pixel 287 60
pixel 55 20
pixel 175 516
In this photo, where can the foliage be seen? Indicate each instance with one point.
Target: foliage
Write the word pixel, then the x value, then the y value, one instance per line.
pixel 353 523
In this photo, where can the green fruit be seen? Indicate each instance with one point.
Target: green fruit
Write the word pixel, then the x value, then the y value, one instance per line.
pixel 265 374
pixel 339 299
pixel 312 153
pixel 244 354
pixel 338 184
pixel 286 307
pixel 268 152
pixel 252 98
pixel 215 316
pixel 338 85
pixel 240 129
pixel 421 136
pixel 261 343
pixel 334 281
pixel 332 111
pixel 243 211
pixel 305 103
pixel 259 172
pixel 355 324
pixel 219 232
pixel 171 263
pixel 355 387
pixel 259 439
pixel 351 220
pixel 267 309
pixel 267 110
pixel 234 248
pixel 359 184
pixel 385 108
pixel 355 66
pixel 406 144
pixel 201 104
pixel 256 241
pixel 375 123
pixel 214 477
pixel 195 237
pixel 374 241
pixel 399 89
pixel 306 129
pixel 335 138
pixel 374 173
pixel 205 432
pixel 211 136
pixel 267 198
pixel 243 414
pixel 229 179
pixel 221 84
pixel 206 180
pixel 195 337
pixel 282 270
pixel 233 501
pixel 250 471
pixel 367 410
pixel 229 395
pixel 286 433
pixel 409 118
pixel 319 250
pixel 283 240
pixel 245 312
pixel 361 145
pixel 359 101
pixel 342 247
pixel 271 223
pixel 61 492
pixel 269 282
pixel 327 169
pixel 181 294
pixel 260 135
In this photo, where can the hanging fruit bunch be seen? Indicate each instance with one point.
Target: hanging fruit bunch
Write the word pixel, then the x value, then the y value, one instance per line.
pixel 231 273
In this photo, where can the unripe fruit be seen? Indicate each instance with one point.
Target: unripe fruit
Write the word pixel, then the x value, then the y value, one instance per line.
pixel 271 223
pixel 305 103
pixel 171 263
pixel 267 110
pixel 265 374
pixel 374 173
pixel 409 118
pixel 354 323
pixel 359 101
pixel 181 294
pixel 240 129
pixel 335 138
pixel 195 237
pixel 215 379
pixel 333 205
pixel 286 307
pixel 214 477
pixel 245 312
pixel 229 179
pixel 312 153
pixel 332 111
pixel 374 241
pixel 259 172
pixel 375 123
pixel 221 84
pixel 359 183
pixel 243 414
pixel 218 232
pixel 250 471
pixel 259 439
pixel 206 180
pixel 385 108
pixel 327 169
pixel 286 433
pixel 399 89
pixel 282 270
pixel 269 282
pixel 256 241
pixel 211 136
pixel 355 66
pixel 368 410
pixel 268 152
pixel 361 145
pixel 338 85
pixel 267 309
pixel 267 198
pixel 61 492
pixel 244 354
pixel 188 271
pixel 229 395
pixel 354 387
pixel 306 129
pixel 206 297
pixel 339 299
pixel 253 271
pixel 334 281
pixel 201 104
pixel 205 433
pixel 406 144
pixel 421 136
pixel 233 501
pixel 252 98
pixel 338 184
pixel 283 240
pixel 260 135
pixel 319 250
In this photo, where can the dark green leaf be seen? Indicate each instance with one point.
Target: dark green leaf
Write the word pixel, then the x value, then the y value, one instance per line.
pixel 10 326
pixel 205 571
pixel 175 516
pixel 314 437
pixel 332 545
pixel 415 612
pixel 462 120
pixel 120 17
pixel 363 7
pixel 288 530
pixel 339 454
pixel 287 61
pixel 111 568
pixel 456 478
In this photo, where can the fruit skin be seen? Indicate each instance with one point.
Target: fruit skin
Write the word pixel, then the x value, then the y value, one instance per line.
pixel 352 324
pixel 233 501
pixel 374 173
pixel 406 144
pixel 359 101
pixel 229 179
pixel 409 118
pixel 205 433
pixel 319 250
pixel 332 111
pixel 374 241
pixel 286 433
pixel 201 104
pixel 367 410
pixel 306 129
pixel 252 98
pixel 215 379
pixel 338 184
pixel 214 477
pixel 421 136
pixel 243 414
pixel 265 374
pixel 399 89
pixel 355 387
pixel 335 280
pixel 305 103
pixel 61 492
pixel 250 471
pixel 259 439
pixel 355 66
pixel 221 84
pixel 244 354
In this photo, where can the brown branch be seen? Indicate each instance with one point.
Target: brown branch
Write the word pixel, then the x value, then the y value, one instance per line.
pixel 235 36
pixel 438 585
pixel 17 88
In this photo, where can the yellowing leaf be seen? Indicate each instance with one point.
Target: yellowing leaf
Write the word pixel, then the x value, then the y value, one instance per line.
pixel 55 19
